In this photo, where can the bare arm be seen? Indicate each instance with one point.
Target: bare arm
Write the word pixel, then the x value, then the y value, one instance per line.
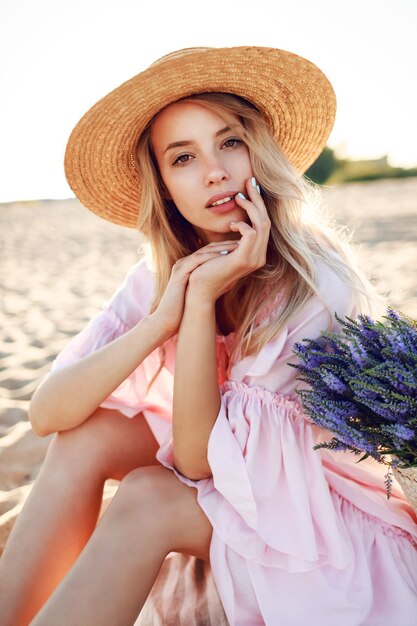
pixel 196 391
pixel 69 396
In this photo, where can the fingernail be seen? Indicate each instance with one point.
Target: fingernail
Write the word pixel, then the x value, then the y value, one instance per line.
pixel 224 252
pixel 241 196
pixel 258 188
pixel 253 181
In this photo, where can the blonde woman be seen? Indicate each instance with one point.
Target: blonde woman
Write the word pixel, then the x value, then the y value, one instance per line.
pixel 203 153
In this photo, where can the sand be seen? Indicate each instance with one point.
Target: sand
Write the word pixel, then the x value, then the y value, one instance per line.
pixel 59 263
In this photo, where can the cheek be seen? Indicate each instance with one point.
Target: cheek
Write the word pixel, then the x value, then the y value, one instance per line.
pixel 180 190
pixel 241 161
pixel 172 185
pixel 246 159
pixel 177 181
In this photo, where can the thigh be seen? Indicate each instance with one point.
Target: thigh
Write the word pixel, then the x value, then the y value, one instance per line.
pixel 108 443
pixel 162 501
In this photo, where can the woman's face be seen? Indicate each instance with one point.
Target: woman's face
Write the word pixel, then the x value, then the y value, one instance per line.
pixel 201 161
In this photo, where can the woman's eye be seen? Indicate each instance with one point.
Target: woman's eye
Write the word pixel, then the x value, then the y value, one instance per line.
pixel 232 143
pixel 183 158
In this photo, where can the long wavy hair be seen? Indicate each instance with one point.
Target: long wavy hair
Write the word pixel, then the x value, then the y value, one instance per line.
pixel 296 240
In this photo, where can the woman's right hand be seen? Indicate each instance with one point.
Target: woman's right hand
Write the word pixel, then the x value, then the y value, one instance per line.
pixel 169 312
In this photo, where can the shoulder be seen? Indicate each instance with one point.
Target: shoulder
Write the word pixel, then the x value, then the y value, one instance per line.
pixel 334 295
pixel 133 298
pixel 333 287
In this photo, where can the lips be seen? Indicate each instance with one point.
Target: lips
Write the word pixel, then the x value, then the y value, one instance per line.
pixel 226 196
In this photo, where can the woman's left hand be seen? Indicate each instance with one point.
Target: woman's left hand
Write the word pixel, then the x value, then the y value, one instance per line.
pixel 218 275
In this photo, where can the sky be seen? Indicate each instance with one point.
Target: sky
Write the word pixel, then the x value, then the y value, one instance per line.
pixel 59 57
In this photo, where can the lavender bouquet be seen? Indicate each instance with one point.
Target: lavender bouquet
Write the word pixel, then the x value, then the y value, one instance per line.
pixel 363 388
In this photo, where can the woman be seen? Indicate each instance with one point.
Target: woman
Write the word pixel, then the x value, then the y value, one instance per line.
pixel 203 152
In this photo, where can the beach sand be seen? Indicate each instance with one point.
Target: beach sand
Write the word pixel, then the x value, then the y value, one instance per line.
pixel 59 263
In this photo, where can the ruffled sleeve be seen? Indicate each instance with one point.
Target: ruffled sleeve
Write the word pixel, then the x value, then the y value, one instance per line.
pixel 129 304
pixel 268 498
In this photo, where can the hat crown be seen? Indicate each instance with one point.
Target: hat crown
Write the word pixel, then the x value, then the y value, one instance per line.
pixel 178 54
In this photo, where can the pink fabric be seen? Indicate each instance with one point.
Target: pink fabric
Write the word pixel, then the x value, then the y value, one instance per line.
pixel 299 536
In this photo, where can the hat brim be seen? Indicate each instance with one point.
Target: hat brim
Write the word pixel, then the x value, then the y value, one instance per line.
pixel 294 96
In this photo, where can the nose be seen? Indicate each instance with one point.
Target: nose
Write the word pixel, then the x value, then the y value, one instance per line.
pixel 216 171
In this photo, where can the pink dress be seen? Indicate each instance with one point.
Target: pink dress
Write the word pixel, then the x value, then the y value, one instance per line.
pixel 300 537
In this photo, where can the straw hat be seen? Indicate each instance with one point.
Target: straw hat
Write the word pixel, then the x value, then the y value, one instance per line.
pixel 294 96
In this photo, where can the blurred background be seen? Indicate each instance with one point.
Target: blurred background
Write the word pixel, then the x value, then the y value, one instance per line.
pixel 59 262
pixel 59 57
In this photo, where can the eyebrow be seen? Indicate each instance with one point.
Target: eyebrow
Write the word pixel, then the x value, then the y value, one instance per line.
pixel 187 142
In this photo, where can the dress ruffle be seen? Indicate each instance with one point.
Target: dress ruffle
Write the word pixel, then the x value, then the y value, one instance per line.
pixel 299 536
pixel 275 513
pixel 269 503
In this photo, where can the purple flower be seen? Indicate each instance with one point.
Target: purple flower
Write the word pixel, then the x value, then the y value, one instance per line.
pixel 334 383
pixel 401 432
pixel 363 386
pixel 358 353
pixel 393 315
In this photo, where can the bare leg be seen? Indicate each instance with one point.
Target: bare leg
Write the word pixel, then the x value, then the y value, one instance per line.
pixel 62 509
pixel 152 514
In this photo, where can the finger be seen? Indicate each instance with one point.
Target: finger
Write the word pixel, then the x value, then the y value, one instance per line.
pixel 188 264
pixel 252 242
pixel 248 232
pixel 254 194
pixel 217 243
pixel 255 208
pixel 253 183
pixel 217 246
pixel 213 253
pixel 246 204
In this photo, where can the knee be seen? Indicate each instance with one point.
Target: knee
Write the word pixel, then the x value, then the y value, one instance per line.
pixel 142 493
pixel 143 486
pixel 150 499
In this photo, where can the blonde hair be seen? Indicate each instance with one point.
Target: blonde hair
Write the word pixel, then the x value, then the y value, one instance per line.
pixel 295 242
